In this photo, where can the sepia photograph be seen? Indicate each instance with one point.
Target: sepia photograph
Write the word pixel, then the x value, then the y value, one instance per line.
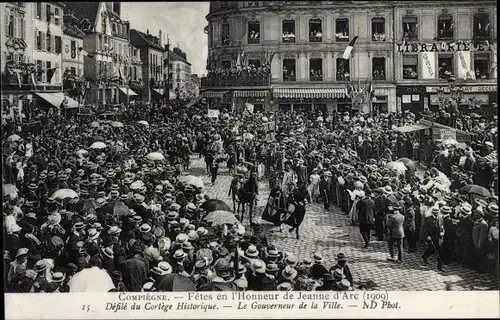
pixel 300 155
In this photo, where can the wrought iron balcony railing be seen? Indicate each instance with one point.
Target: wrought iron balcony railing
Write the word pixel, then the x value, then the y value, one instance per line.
pixel 257 80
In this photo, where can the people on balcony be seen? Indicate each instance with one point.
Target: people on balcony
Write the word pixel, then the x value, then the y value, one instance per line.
pixel 378 75
pixel 409 73
pixel 247 75
pixel 378 36
pixel 315 35
pixel 316 75
pixel 254 35
pixel 444 71
pixel 482 73
pixel 445 31
pixel 482 30
pixel 343 35
pixel 288 36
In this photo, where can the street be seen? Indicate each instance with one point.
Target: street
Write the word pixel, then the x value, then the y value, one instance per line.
pixel 330 233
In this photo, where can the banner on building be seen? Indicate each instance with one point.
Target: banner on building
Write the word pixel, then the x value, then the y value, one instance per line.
pixel 213 113
pixel 428 63
pixel 464 66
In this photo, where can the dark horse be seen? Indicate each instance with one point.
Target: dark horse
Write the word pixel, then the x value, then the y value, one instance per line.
pixel 247 195
pixel 290 211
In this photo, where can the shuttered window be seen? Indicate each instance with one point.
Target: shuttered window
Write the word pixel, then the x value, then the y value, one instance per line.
pixel 44 71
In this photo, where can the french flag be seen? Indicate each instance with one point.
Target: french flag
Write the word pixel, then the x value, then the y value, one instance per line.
pixel 349 48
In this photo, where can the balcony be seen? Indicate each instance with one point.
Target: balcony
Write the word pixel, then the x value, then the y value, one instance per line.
pixel 235 80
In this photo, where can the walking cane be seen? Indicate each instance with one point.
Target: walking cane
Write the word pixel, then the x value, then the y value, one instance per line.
pixel 437 252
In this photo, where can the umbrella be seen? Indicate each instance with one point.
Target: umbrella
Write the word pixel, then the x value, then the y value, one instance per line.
pixel 137 185
pixel 408 163
pixel 13 138
pixel 9 189
pixel 87 204
pixel 98 145
pixel 82 152
pixel 475 189
pixel 117 124
pixel 64 194
pixel 94 124
pixel 174 282
pixel 116 208
pixel 143 123
pixel 116 149
pixel 221 217
pixel 214 205
pixel 396 165
pixel 192 180
pixel 155 156
pixel 91 280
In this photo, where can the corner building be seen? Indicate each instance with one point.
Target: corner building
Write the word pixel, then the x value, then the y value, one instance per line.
pixel 303 43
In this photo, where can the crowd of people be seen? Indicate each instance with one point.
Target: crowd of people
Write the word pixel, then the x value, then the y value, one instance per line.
pixel 86 196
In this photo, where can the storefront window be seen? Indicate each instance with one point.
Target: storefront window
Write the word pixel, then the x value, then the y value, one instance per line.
pixel 343 70
pixel 289 73
pixel 481 66
pixel 380 105
pixel 342 30
pixel 445 63
pixel 378 68
pixel 378 29
pixel 410 28
pixel 445 27
pixel 315 30
pixel 288 31
pixel 316 69
pixel 410 66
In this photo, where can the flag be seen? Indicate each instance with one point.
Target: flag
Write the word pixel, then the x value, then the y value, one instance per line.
pixel 85 53
pixel 371 91
pixel 249 107
pixel 50 74
pixel 349 48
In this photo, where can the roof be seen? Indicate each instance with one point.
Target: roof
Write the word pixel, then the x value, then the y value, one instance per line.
pixel 83 10
pixel 140 39
pixel 70 27
pixel 175 57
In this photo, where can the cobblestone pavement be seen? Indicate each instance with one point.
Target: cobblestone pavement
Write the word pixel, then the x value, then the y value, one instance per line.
pixel 330 233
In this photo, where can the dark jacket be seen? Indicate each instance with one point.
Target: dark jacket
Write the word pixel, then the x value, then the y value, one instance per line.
pixel 346 271
pixel 134 272
pixel 395 225
pixel 366 208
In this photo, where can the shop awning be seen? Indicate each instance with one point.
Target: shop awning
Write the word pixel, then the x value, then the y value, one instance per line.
pixel 413 127
pixel 192 102
pixel 214 94
pixel 56 98
pixel 128 91
pixel 309 93
pixel 250 93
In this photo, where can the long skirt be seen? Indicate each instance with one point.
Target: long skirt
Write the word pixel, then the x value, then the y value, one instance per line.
pixel 353 214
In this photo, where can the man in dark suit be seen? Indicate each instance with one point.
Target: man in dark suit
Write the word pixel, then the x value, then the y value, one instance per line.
pixel 396 234
pixel 325 187
pixel 366 207
pixel 342 265
pixel 379 215
pixel 409 224
pixel 433 232
pixel 301 171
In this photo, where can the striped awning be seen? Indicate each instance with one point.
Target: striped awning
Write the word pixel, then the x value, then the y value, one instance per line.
pixel 250 93
pixel 309 93
pixel 411 128
pixel 214 94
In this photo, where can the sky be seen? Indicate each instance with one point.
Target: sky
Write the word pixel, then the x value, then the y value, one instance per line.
pixel 183 22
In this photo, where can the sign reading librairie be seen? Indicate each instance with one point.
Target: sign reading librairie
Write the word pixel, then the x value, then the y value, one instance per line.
pixel 444 46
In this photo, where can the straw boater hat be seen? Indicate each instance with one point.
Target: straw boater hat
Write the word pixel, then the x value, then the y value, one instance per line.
pixel 114 230
pixel 341 257
pixel 179 254
pixel 284 286
pixel 252 251
pixel 318 258
pixel 108 252
pixel 93 234
pixel 306 262
pixel 272 267
pixel 58 277
pixel 259 267
pixel 291 260
pixel 22 252
pixel 289 273
pixel 145 228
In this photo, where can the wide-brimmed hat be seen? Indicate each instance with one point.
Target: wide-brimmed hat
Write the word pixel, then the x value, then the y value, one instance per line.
pixel 272 253
pixel 41 265
pixel 465 210
pixel 289 273
pixel 33 186
pixel 284 286
pixel 338 274
pixel 187 246
pixel 21 252
pixel 306 262
pixel 291 260
pixel 181 238
pixel 259 267
pixel 345 284
pixel 172 215
pixel 341 257
pixel 165 267
pixel 272 267
pixel 108 252
pixel 93 234
pixel 58 277
pixel 114 230
pixel 242 269
pixel 145 228
pixel 159 232
pixel 435 210
pixel 252 251
pixel 387 189
pixel 445 209
pixel 318 257
pixel 179 254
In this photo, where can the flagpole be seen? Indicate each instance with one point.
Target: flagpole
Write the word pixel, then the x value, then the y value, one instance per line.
pixel 359 66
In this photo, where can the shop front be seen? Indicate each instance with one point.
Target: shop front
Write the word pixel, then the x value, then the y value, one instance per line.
pixel 412 98
pixel 478 99
pixel 260 99
pixel 303 99
pixel 218 99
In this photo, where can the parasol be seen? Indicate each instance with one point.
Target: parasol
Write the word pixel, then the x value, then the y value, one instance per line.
pixel 475 190
pixel 115 208
pixel 408 163
pixel 13 138
pixel 174 282
pixel 9 189
pixel 214 205
pixel 94 124
pixel 155 156
pixel 117 124
pixel 91 280
pixel 192 180
pixel 82 153
pixel 221 217
pixel 87 204
pixel 450 142
pixel 396 165
pixel 98 145
pixel 64 194
pixel 145 123
pixel 137 185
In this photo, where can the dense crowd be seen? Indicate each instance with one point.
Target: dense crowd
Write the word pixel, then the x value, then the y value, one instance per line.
pixel 87 207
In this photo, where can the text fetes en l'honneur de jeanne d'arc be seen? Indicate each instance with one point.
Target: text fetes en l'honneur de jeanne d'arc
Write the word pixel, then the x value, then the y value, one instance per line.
pixel 245 301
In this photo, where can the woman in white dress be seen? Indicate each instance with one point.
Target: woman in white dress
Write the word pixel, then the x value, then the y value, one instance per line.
pixel 356 195
pixel 314 185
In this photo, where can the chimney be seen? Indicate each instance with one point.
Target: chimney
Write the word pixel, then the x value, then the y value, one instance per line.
pixel 160 39
pixel 147 31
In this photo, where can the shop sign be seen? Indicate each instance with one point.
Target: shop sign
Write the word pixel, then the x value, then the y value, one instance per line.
pixel 465 89
pixel 410 90
pixel 444 46
pixel 444 134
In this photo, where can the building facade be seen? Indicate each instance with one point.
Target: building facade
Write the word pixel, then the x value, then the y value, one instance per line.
pixel 195 85
pixel 152 55
pixel 180 73
pixel 72 60
pixel 135 71
pixel 443 38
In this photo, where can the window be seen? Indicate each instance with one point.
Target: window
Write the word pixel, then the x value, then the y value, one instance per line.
pixel 410 25
pixel 48 65
pixel 445 63
pixel 73 49
pixel 57 20
pixel 253 32
pixel 315 30
pixel 342 30
pixel 380 104
pixel 56 73
pixel 44 41
pixel 378 29
pixel 343 70
pixel 445 27
pixel 481 26
pixel 410 66
pixel 316 69
pixel 38 40
pixel 482 65
pixel 44 71
pixel 289 72
pixel 49 42
pixel 253 63
pixel 38 10
pixel 288 31
pixel 226 64
pixel 9 25
pixel 225 34
pixel 48 13
pixel 58 44
pixel 378 69
pixel 39 77
pixel 114 27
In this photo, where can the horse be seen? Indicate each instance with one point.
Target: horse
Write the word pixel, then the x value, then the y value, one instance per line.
pixel 247 195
